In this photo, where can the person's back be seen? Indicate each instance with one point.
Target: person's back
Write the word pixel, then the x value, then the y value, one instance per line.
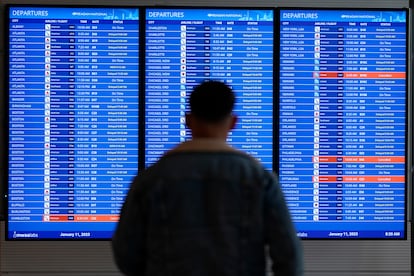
pixel 206 209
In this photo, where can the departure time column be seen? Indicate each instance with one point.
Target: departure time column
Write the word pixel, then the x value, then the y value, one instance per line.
pixel 248 68
pixel 107 123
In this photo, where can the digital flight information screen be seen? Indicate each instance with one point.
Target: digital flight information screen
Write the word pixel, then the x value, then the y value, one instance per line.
pixel 73 119
pixel 342 121
pixel 187 46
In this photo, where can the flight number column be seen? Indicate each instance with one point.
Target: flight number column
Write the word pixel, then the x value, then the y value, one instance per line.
pixel 328 121
pixel 59 119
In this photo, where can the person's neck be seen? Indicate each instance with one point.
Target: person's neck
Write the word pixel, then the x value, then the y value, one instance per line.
pixel 203 144
pixel 215 136
pixel 210 132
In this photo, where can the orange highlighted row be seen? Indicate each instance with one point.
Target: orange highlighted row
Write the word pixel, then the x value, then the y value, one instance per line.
pixel 362 75
pixel 80 218
pixel 359 178
pixel 359 159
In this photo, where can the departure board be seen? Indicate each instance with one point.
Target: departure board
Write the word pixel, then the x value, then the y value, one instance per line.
pixel 73 119
pixel 343 121
pixel 187 46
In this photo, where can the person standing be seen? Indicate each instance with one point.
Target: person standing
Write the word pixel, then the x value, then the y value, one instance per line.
pixel 206 208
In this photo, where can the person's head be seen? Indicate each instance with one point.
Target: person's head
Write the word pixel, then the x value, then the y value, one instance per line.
pixel 211 110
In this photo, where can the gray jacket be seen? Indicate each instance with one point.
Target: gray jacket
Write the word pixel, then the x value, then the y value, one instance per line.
pixel 206 209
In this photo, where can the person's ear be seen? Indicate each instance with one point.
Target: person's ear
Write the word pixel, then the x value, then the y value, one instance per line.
pixel 233 123
pixel 188 120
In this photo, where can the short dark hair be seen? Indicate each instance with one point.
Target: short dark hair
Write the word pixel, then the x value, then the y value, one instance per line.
pixel 212 101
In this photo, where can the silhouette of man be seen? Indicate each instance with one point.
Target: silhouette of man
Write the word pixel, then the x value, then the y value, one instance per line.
pixel 206 208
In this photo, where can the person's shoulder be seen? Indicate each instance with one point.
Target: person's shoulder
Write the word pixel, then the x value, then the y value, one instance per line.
pixel 144 177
